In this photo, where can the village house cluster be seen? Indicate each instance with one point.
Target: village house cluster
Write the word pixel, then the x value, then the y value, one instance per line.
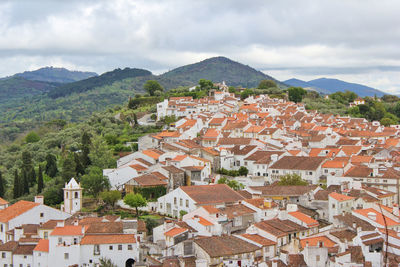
pixel 347 215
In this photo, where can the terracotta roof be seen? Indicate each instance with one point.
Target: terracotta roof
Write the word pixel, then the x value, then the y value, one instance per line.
pixel 149 180
pixel 104 227
pixel 259 239
pixel 236 211
pixel 304 218
pixel 24 250
pixel 50 224
pixel 283 190
pixel 175 231
pixel 359 171
pixel 322 195
pixel 298 163
pixel 344 235
pixel 108 239
pixel 3 201
pixel 340 197
pixel 9 246
pixel 279 227
pixel 211 194
pixel 153 153
pixel 313 241
pixel 68 230
pixel 210 209
pixel 234 141
pixel 379 217
pixel 261 203
pixel 220 246
pixel 16 209
pixel 203 221
pixel 42 246
pixel 173 169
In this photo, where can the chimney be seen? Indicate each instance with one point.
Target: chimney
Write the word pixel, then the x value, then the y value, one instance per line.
pixel 39 199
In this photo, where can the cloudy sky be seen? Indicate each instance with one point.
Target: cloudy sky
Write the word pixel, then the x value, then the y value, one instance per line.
pixel 358 41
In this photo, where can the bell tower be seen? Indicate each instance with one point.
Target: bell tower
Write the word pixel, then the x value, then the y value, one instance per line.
pixel 72 197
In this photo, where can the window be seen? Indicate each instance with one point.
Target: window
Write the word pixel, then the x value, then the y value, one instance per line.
pixel 3 255
pixel 326 170
pixel 160 205
pixel 119 247
pixel 187 203
pixel 41 215
pixel 309 173
pixel 180 202
pixel 129 247
pixel 1 228
pixel 110 247
pixel 175 200
pixel 333 206
pixel 385 181
pixel 75 241
pixel 76 195
pixel 46 235
pixel 66 256
pixel 317 258
pixel 96 250
pixel 59 240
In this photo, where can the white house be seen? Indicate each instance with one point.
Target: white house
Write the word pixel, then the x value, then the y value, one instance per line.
pixel 339 204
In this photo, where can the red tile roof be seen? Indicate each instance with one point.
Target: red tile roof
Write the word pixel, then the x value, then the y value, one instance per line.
pixel 16 209
pixel 175 231
pixel 340 197
pixel 304 218
pixel 68 230
pixel 108 239
pixel 42 246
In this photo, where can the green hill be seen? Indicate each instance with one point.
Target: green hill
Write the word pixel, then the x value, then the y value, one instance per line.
pixel 55 75
pixel 218 69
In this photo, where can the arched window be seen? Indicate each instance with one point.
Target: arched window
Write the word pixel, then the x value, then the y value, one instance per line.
pixel 76 194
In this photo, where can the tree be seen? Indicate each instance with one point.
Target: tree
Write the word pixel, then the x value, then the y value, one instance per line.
pixel 235 185
pixel 296 94
pixel 16 189
pixel 151 86
pixel 182 213
pixel 94 182
pixel 79 169
pixel 243 171
pixel 27 168
pixel 54 195
pixel 32 137
pixel 205 84
pixel 291 179
pixel 104 262
pixel 135 201
pixel 387 121
pixel 265 84
pixel 153 116
pixel 246 93
pixel 25 180
pixel 85 147
pixel 68 167
pixel 135 119
pixel 131 103
pixel 1 185
pixel 40 185
pixel 51 165
pixel 100 155
pixel 110 197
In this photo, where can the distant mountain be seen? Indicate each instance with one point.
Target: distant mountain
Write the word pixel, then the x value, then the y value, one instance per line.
pixel 17 87
pixel 329 86
pixel 98 81
pixel 218 69
pixel 55 75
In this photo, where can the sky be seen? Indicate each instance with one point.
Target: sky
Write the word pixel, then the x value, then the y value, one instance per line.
pixel 357 41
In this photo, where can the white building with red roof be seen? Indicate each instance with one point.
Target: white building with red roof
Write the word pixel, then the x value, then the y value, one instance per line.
pixel 339 204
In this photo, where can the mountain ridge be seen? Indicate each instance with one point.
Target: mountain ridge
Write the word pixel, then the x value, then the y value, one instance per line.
pixel 55 75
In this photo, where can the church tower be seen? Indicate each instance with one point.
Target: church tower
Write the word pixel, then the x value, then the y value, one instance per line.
pixel 72 197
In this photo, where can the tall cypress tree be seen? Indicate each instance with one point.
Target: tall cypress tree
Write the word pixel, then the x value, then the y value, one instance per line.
pixel 32 177
pixel 25 180
pixel 68 168
pixel 86 142
pixel 51 165
pixel 1 185
pixel 40 180
pixel 16 190
pixel 79 170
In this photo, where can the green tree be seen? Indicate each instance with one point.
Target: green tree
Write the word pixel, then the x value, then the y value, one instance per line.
pixel 25 180
pixel 246 93
pixel 100 155
pixel 40 185
pixel 32 137
pixel 95 182
pixel 243 171
pixel 54 194
pixel 291 179
pixel 135 119
pixel 85 147
pixel 68 167
pixel 135 201
pixel 265 84
pixel 235 185
pixel 205 84
pixel 51 165
pixel 131 103
pixel 387 121
pixel 1 185
pixel 232 89
pixel 79 169
pixel 296 94
pixel 105 262
pixel 16 189
pixel 182 213
pixel 151 86
pixel 110 197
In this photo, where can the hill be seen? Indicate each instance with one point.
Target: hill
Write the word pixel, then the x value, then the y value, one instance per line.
pixel 98 81
pixel 219 69
pixel 55 75
pixel 17 87
pixel 329 86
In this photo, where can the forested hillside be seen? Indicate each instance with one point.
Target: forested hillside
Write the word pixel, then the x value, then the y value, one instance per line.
pixel 55 75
